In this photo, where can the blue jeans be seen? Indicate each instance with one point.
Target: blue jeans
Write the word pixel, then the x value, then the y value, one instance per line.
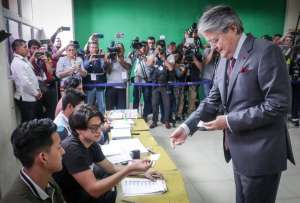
pixel 99 96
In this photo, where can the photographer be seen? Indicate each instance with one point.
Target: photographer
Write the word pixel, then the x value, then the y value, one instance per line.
pixel 159 75
pixel 210 60
pixel 43 68
pixel 171 58
pixel 117 72
pixel 142 71
pixel 96 73
pixel 180 71
pixel 192 59
pixel 70 65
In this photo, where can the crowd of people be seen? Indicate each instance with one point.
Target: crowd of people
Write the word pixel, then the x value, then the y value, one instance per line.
pixel 53 83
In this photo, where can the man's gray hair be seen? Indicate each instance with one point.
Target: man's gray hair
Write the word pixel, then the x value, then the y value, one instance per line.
pixel 218 19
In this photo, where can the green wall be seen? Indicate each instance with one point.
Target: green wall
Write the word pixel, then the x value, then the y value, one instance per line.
pixel 168 17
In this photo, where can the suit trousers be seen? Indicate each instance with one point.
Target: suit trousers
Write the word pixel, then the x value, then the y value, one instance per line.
pixel 256 189
pixel 157 93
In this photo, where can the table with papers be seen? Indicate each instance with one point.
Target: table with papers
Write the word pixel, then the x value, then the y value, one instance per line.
pixel 133 133
pixel 176 192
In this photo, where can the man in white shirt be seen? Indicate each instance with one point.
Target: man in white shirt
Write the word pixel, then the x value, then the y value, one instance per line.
pixel 27 94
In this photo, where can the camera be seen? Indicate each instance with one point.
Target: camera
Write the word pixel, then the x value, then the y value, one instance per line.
pixel 4 35
pixel 99 35
pixel 39 54
pixel 161 44
pixel 136 44
pixel 192 29
pixel 75 44
pixel 113 50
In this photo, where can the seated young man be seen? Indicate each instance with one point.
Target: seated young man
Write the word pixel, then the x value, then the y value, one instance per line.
pixel 70 100
pixel 77 179
pixel 37 145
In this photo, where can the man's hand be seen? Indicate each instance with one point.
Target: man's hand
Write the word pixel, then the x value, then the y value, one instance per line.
pixel 218 124
pixel 178 137
pixel 153 175
pixel 39 95
pixel 139 165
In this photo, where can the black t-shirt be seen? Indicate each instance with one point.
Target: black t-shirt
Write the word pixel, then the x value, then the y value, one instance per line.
pixel 77 158
pixel 194 72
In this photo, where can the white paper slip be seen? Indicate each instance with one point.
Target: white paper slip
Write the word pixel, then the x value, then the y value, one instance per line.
pixel 116 159
pixel 122 133
pixel 110 149
pixel 201 124
pixel 154 157
pixel 142 186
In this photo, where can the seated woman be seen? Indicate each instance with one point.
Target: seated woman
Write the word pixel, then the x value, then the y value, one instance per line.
pixel 83 153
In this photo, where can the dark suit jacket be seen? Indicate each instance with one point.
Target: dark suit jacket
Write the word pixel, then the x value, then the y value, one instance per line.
pixel 256 100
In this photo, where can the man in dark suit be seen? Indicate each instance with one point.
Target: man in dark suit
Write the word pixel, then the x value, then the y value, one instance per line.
pixel 251 84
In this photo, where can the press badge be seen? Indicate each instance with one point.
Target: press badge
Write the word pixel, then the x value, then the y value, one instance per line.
pixel 124 76
pixel 93 77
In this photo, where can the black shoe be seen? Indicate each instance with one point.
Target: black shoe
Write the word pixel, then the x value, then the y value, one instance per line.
pixel 295 122
pixel 145 119
pixel 153 125
pixel 167 125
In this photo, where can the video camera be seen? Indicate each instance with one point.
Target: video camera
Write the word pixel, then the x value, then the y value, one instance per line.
pixel 136 44
pixel 113 50
pixel 161 44
pixel 4 35
pixel 75 44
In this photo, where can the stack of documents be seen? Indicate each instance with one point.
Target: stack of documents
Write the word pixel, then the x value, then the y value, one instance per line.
pixel 120 133
pixel 123 114
pixel 116 124
pixel 142 186
pixel 128 145
pixel 118 151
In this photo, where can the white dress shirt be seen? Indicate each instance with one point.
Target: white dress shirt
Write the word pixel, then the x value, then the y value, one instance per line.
pixel 26 82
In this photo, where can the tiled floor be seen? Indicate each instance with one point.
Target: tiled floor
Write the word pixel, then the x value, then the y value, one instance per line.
pixel 209 179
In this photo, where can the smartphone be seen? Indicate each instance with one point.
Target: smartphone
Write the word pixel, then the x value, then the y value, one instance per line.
pixel 63 28
pixel 45 41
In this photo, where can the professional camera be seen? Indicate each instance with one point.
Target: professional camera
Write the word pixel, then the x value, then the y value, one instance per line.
pixel 75 44
pixel 192 29
pixel 136 44
pixel 99 35
pixel 161 44
pixel 4 35
pixel 113 50
pixel 189 50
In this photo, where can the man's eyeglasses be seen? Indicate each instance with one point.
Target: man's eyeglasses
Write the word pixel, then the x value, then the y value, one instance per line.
pixel 95 128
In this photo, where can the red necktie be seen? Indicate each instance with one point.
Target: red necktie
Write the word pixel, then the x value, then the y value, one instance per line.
pixel 231 63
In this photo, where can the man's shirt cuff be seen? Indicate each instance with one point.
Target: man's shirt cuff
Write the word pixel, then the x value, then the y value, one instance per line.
pixel 185 128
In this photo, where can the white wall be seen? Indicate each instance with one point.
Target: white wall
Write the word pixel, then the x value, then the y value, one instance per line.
pixel 8 166
pixel 49 15
pixel 291 15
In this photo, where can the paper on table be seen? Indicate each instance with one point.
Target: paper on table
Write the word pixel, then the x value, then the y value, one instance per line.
pixel 110 149
pixel 122 133
pixel 128 145
pixel 142 186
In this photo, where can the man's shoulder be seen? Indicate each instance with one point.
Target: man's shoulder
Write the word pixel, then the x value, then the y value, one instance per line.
pixel 72 145
pixel 18 193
